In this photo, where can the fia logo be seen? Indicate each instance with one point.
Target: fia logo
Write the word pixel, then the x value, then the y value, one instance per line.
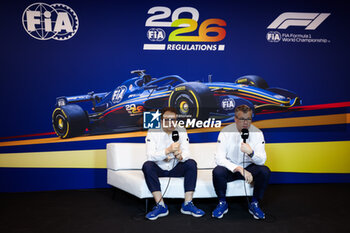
pixel 228 104
pixel 43 21
pixel 273 36
pixel 156 34
pixel 151 120
pixel 118 94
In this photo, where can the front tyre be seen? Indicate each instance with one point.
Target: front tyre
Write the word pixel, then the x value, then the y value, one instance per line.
pixel 69 121
pixel 192 100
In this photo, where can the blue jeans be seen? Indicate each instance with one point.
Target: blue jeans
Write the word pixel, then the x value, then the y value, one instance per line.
pixel 187 169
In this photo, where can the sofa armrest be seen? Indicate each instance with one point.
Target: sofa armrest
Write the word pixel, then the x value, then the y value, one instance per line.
pixel 125 155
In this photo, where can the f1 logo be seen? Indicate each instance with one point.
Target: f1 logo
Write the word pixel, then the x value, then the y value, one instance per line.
pixel 309 20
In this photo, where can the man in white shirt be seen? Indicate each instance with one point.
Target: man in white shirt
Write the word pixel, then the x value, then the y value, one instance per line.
pixel 238 160
pixel 166 158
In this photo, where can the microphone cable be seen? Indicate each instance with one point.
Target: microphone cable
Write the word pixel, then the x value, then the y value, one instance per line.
pixel 272 218
pixel 245 189
pixel 175 137
pixel 245 135
pixel 166 188
pixel 141 216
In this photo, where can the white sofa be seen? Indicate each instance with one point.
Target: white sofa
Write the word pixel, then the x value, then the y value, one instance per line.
pixel 124 164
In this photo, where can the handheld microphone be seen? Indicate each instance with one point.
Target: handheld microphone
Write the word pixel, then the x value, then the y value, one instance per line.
pixel 175 136
pixel 245 134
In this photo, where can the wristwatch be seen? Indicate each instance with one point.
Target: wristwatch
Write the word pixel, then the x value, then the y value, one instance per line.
pixel 251 155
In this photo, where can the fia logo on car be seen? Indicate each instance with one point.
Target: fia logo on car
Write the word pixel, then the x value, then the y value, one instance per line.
pixel 228 104
pixel 118 94
pixel 44 22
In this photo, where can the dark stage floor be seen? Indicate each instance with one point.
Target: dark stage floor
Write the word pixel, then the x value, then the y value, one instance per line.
pixel 290 207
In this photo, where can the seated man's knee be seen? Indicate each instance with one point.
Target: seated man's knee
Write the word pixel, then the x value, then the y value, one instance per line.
pixel 148 165
pixel 190 163
pixel 265 171
pixel 219 171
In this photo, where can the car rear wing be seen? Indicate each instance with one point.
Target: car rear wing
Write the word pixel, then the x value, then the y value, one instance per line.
pixel 91 96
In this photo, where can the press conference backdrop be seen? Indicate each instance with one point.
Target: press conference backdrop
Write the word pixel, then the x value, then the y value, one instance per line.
pixel 68 48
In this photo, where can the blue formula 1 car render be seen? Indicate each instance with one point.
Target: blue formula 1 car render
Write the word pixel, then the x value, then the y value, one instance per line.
pixel 122 109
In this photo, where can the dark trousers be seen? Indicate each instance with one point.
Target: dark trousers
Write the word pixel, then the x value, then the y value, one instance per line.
pixel 261 176
pixel 187 169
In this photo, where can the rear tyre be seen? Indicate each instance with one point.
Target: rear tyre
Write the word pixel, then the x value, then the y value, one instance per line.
pixel 69 121
pixel 253 80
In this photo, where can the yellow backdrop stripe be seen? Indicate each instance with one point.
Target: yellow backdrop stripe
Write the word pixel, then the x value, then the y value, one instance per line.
pixel 314 157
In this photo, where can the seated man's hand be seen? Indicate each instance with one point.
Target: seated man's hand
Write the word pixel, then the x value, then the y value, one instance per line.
pixel 248 177
pixel 178 154
pixel 173 147
pixel 168 158
pixel 245 148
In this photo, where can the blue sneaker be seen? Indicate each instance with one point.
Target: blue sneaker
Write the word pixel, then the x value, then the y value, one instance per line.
pixel 220 210
pixel 157 211
pixel 191 209
pixel 256 211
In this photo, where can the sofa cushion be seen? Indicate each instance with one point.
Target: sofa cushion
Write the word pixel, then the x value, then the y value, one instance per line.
pixel 133 182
